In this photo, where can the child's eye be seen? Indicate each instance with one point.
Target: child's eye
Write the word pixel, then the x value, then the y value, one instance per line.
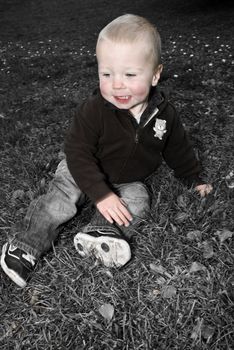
pixel 106 75
pixel 130 74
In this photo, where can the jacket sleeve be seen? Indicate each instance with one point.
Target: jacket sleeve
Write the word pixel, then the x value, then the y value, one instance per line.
pixel 81 145
pixel 179 154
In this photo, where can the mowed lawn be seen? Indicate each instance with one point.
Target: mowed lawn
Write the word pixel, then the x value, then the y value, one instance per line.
pixel 178 290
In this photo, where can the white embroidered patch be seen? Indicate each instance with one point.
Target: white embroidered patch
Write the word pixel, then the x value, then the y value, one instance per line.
pixel 159 128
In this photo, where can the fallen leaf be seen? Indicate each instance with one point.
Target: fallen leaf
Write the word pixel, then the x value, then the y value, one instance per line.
pixel 161 280
pixel 157 268
pixel 197 329
pixel 207 248
pixel 97 326
pixel 173 227
pixel 168 292
pixel 223 235
pixel 207 332
pixel 18 194
pixel 155 292
pixel 230 180
pixel 30 194
pixel 160 269
pixel 107 311
pixel 195 235
pixel 196 266
pixel 182 201
pixel 180 217
pixel 34 297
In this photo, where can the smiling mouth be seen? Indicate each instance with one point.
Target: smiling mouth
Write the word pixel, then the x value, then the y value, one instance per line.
pixel 122 99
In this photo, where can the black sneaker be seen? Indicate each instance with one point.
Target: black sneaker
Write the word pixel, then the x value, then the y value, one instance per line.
pixel 111 249
pixel 17 264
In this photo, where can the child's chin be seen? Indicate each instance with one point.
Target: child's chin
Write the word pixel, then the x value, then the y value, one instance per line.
pixel 122 106
pixel 119 105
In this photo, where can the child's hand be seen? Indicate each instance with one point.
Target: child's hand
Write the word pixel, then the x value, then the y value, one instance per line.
pixel 114 209
pixel 204 189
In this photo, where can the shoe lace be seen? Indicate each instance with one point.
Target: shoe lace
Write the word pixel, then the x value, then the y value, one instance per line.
pixel 30 258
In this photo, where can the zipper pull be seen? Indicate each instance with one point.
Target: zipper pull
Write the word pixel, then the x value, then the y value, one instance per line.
pixel 136 137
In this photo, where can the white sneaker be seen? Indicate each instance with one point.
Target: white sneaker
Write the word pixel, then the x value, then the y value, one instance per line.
pixel 112 250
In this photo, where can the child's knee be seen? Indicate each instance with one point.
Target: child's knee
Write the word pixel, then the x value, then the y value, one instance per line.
pixel 64 185
pixel 62 168
pixel 139 208
pixel 137 198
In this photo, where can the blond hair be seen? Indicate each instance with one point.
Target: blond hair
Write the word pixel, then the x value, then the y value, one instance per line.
pixel 131 28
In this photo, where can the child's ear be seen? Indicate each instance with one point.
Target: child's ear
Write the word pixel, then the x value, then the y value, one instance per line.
pixel 157 75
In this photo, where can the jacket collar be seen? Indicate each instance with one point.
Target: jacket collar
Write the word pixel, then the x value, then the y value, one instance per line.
pixel 156 103
pixel 156 99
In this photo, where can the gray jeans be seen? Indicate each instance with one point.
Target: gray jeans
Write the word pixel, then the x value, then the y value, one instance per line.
pixel 40 226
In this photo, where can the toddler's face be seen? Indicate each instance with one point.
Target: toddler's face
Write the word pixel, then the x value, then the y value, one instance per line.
pixel 126 74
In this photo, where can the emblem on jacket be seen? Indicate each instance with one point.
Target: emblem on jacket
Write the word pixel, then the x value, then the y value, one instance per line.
pixel 159 128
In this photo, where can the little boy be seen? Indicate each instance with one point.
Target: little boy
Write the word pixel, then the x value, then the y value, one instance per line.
pixel 118 138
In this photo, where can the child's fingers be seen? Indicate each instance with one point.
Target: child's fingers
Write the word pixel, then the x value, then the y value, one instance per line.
pixel 120 215
pixel 107 216
pixel 208 189
pixel 115 209
pixel 117 216
pixel 204 189
pixel 126 213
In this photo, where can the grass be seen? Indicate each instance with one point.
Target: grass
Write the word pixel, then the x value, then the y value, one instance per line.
pixel 177 292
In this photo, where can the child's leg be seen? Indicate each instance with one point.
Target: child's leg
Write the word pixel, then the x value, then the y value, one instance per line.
pixel 45 214
pixel 40 226
pixel 107 241
pixel 137 199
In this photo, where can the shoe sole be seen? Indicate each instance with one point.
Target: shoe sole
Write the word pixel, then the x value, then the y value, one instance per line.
pixel 110 250
pixel 11 273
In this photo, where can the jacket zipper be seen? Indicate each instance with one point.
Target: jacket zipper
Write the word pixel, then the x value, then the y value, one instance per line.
pixel 137 136
pixel 147 121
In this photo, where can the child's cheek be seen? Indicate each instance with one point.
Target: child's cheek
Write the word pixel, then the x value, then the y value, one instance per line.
pixel 104 87
pixel 140 90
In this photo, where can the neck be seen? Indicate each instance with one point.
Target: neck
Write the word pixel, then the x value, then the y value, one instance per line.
pixel 136 111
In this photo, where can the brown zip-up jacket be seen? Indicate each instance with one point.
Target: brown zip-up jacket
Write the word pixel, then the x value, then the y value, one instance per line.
pixel 105 145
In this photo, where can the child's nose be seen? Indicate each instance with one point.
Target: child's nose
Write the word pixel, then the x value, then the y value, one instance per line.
pixel 117 83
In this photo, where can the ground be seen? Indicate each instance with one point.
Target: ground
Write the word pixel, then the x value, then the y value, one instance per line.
pixel 177 292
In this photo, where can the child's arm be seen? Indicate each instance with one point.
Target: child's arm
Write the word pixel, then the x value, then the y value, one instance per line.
pixel 204 189
pixel 81 147
pixel 180 156
pixel 114 209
